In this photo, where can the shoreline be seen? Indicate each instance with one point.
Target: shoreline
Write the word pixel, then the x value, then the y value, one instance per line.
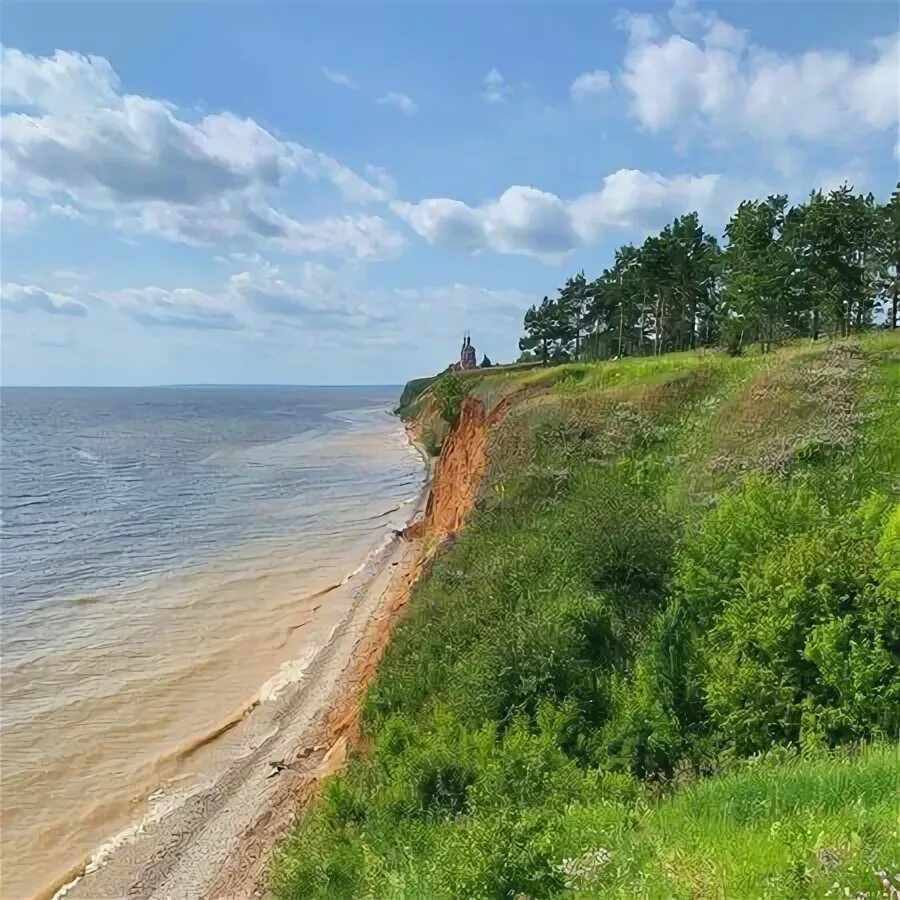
pixel 197 843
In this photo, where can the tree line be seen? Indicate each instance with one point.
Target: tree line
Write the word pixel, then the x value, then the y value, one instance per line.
pixel 826 266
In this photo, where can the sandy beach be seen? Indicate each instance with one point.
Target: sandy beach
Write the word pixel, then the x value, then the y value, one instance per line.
pixel 214 839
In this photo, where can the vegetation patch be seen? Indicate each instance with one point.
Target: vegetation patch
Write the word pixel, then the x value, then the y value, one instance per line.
pixel 626 678
pixel 803 408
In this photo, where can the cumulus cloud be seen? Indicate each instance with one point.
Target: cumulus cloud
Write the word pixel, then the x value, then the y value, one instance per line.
pixel 56 83
pixel 405 104
pixel 263 296
pixel 179 308
pixel 25 298
pixel 84 145
pixel 522 220
pixel 494 88
pixel 590 84
pixel 340 78
pixel 525 220
pixel 140 151
pixel 697 72
pixel 318 166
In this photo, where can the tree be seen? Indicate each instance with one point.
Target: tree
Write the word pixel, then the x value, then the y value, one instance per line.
pixel 485 363
pixel 887 254
pixel 597 311
pixel 541 328
pixel 758 272
pixel 834 237
pixel 829 263
pixel 572 309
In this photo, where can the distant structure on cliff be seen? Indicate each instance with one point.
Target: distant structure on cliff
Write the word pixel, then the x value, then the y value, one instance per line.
pixel 467 358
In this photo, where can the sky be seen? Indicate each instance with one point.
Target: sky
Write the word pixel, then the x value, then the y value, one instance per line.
pixel 331 193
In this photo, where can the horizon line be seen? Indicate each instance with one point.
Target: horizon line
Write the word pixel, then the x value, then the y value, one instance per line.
pixel 196 384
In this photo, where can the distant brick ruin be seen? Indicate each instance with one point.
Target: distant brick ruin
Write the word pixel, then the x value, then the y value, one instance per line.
pixel 467 359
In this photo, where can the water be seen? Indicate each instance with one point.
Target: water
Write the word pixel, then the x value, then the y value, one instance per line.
pixel 164 552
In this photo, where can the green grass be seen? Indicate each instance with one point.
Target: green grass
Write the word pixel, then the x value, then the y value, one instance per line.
pixel 676 565
pixel 408 404
pixel 818 827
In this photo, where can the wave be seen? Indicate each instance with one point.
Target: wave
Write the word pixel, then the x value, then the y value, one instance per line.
pixel 372 555
pixel 383 515
pixel 24 503
pixel 191 745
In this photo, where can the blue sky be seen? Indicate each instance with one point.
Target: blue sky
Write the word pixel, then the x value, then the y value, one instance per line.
pixel 331 193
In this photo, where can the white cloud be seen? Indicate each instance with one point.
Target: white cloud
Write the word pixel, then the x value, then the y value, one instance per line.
pixel 265 298
pixel 140 151
pixel 237 219
pixel 57 83
pixel 525 220
pixel 319 166
pixel 644 201
pixel 16 215
pixel 30 298
pixel 339 78
pixel 852 172
pixel 441 220
pixel 464 303
pixel 405 104
pixel 338 303
pixel 590 84
pixel 69 274
pixel 140 161
pixel 67 211
pixel 179 308
pixel 306 308
pixel 381 178
pixel 315 297
pixel 706 75
pixel 366 238
pixel 494 88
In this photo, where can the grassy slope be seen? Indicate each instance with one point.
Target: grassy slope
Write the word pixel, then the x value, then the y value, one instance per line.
pixel 406 405
pixel 677 565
